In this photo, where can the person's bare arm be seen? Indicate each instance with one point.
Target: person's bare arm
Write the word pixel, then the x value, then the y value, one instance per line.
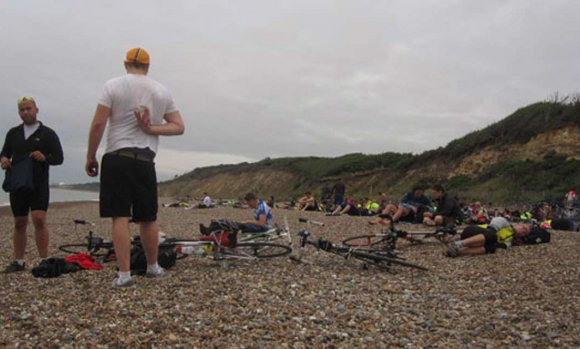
pixel 173 127
pixel 95 135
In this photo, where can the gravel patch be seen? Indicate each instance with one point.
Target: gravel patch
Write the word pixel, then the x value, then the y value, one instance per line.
pixel 522 297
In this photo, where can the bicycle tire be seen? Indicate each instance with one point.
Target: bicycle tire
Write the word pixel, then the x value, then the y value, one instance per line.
pixel 377 241
pixel 258 250
pixel 387 260
pixel 82 248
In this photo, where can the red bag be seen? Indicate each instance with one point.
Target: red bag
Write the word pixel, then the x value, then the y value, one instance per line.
pixel 223 238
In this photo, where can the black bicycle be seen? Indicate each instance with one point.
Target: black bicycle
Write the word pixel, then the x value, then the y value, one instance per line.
pixel 387 241
pixel 381 258
pixel 217 246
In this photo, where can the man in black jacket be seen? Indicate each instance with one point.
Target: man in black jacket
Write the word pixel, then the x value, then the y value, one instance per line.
pixel 33 140
pixel 448 209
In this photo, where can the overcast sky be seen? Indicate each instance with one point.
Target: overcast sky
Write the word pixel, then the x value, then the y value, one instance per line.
pixel 290 78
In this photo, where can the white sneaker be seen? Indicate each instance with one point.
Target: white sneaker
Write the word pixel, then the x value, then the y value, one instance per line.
pixel 161 275
pixel 128 283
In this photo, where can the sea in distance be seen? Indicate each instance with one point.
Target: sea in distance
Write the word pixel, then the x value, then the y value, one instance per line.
pixel 58 195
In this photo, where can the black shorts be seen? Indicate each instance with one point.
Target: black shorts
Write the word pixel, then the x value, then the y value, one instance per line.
pixel 37 200
pixel 128 188
pixel 489 234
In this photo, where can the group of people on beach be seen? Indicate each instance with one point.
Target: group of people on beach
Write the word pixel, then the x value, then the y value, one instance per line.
pixel 485 230
pixel 135 110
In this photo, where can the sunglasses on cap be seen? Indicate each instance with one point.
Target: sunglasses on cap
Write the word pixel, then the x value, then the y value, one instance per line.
pixel 25 98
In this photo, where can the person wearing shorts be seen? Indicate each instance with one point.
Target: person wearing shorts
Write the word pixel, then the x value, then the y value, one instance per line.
pixel 476 240
pixel 137 110
pixel 31 139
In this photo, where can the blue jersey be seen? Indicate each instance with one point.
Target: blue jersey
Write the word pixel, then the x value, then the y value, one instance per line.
pixel 265 210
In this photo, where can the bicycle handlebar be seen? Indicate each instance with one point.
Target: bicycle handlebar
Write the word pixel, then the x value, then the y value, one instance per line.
pixel 82 222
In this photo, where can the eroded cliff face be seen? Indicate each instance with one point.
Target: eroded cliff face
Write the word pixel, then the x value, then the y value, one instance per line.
pixel 280 183
pixel 230 185
pixel 564 141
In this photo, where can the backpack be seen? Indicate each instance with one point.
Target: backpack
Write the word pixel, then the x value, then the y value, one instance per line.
pixel 166 258
pixel 223 225
pixel 537 236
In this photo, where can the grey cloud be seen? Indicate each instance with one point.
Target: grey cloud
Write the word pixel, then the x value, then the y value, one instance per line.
pixel 277 78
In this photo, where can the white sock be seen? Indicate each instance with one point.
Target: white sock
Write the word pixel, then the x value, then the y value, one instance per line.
pixel 124 276
pixel 20 261
pixel 154 269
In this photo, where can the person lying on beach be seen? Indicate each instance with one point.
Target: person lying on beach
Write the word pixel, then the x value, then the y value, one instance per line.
pixel 478 240
pixel 178 203
pixel 307 202
pixel 348 207
pixel 261 221
pixel 448 209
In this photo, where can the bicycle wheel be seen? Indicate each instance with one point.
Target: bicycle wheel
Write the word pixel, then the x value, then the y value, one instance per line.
pixel 376 241
pixel 82 248
pixel 257 250
pixel 385 262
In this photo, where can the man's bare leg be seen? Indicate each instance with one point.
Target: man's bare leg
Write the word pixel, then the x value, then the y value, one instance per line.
pixel 19 238
pixel 122 243
pixel 472 251
pixel 40 232
pixel 150 238
pixel 401 212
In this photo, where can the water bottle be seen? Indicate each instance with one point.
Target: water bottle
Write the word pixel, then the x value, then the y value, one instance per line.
pixel 193 250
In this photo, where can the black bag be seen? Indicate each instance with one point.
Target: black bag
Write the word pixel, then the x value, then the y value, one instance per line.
pixel 223 225
pixel 421 210
pixel 166 259
pixel 20 177
pixel 537 236
pixel 54 267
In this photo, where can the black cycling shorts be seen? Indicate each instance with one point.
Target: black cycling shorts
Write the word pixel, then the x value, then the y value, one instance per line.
pixel 489 234
pixel 128 188
pixel 22 203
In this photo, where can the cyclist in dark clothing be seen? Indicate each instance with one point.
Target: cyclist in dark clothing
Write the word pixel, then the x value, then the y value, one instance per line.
pixel 33 140
pixel 448 209
pixel 338 190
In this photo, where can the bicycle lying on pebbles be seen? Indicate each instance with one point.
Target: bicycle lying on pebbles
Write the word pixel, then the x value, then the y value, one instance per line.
pixel 217 246
pixel 384 258
pixel 388 240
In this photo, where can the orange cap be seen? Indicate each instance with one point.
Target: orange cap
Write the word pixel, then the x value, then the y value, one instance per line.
pixel 137 55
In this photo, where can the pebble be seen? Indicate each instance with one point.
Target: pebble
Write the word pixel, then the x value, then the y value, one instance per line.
pixel 325 302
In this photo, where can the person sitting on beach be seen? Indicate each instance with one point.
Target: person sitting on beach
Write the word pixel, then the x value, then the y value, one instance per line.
pixel 412 203
pixel 382 202
pixel 348 207
pixel 206 202
pixel 478 240
pixel 448 209
pixel 307 202
pixel 261 221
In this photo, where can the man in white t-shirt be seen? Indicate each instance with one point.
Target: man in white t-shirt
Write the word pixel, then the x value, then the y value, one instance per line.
pixel 206 202
pixel 138 110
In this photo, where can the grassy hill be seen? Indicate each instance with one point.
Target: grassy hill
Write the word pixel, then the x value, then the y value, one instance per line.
pixel 535 151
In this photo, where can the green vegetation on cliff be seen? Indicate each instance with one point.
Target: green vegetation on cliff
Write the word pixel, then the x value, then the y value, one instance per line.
pixel 393 172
